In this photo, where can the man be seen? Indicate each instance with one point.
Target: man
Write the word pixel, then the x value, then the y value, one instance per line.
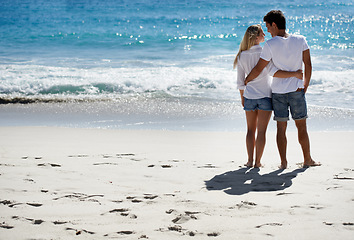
pixel 287 53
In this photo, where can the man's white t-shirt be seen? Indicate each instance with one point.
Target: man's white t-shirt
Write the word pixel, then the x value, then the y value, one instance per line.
pixel 260 86
pixel 286 54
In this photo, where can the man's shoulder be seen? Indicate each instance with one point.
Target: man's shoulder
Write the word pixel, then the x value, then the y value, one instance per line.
pixel 273 41
pixel 290 39
pixel 290 36
pixel 296 36
pixel 256 49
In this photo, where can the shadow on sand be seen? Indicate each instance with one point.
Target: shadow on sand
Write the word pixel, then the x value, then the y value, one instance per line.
pixel 247 180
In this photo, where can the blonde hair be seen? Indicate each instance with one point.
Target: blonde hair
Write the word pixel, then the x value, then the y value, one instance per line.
pixel 249 40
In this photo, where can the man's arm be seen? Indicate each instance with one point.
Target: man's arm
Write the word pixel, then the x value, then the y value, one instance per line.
pixel 306 58
pixel 256 70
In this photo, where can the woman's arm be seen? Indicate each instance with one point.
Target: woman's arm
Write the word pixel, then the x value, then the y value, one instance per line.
pixel 242 98
pixel 286 74
pixel 241 75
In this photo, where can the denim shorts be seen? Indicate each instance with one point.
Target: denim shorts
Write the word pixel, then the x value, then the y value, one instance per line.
pixel 264 104
pixel 294 100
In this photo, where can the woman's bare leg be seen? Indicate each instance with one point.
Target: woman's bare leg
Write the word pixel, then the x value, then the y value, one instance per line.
pixel 251 117
pixel 263 120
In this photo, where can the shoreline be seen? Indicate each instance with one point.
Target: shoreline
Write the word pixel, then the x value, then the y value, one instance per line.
pixel 160 184
pixel 179 114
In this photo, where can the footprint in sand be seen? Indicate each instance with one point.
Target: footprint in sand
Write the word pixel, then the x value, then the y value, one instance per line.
pixel 146 196
pixel 269 224
pixel 181 218
pixel 78 232
pixel 6 202
pixel 48 165
pixel 125 232
pixel 35 221
pixel 78 156
pixel 10 204
pixel 123 212
pixel 105 163
pixel 348 174
pixel 166 166
pixel 316 206
pixel 125 154
pixel 208 166
pixel 176 228
pixel 245 204
pixel 34 204
pixel 214 234
pixel 59 222
pixel 29 180
pixel 80 196
pixel 150 196
pixel 4 225
pixel 283 193
pixel 119 210
pixel 119 233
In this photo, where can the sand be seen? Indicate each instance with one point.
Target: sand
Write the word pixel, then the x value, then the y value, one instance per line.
pixel 69 183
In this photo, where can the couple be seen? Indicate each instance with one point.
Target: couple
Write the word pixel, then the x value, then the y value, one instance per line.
pixel 282 58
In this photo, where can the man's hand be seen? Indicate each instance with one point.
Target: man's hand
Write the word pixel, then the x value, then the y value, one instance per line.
pixel 305 87
pixel 299 74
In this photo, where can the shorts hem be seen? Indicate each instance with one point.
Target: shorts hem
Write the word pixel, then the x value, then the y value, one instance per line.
pixel 281 119
pixel 251 110
pixel 302 118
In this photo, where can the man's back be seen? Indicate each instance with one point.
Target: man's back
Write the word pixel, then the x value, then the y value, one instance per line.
pixel 286 54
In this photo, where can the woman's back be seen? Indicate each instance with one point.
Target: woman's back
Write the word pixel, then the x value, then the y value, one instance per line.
pixel 259 87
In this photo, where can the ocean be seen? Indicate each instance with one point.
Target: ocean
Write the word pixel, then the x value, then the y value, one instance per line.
pixel 159 64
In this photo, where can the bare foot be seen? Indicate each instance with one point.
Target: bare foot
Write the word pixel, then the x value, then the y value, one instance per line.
pixel 258 165
pixel 248 164
pixel 283 165
pixel 311 163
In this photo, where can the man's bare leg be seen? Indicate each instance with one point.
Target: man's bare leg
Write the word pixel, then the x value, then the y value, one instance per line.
pixel 251 117
pixel 304 141
pixel 282 143
pixel 263 120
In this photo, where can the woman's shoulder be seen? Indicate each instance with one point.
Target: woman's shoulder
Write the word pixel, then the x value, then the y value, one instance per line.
pixel 253 49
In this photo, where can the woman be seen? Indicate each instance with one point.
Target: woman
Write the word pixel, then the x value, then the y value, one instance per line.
pixel 256 96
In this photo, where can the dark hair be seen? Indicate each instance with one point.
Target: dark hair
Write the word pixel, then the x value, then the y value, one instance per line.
pixel 277 17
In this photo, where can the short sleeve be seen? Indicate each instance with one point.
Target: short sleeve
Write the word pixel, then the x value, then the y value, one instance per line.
pixel 266 53
pixel 305 46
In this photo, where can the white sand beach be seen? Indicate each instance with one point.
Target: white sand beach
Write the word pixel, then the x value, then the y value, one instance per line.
pixel 70 183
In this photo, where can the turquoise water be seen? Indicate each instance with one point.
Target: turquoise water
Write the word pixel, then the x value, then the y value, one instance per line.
pixel 58 51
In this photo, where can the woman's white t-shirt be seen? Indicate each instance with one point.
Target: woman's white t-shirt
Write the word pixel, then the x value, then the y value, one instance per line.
pixel 260 86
